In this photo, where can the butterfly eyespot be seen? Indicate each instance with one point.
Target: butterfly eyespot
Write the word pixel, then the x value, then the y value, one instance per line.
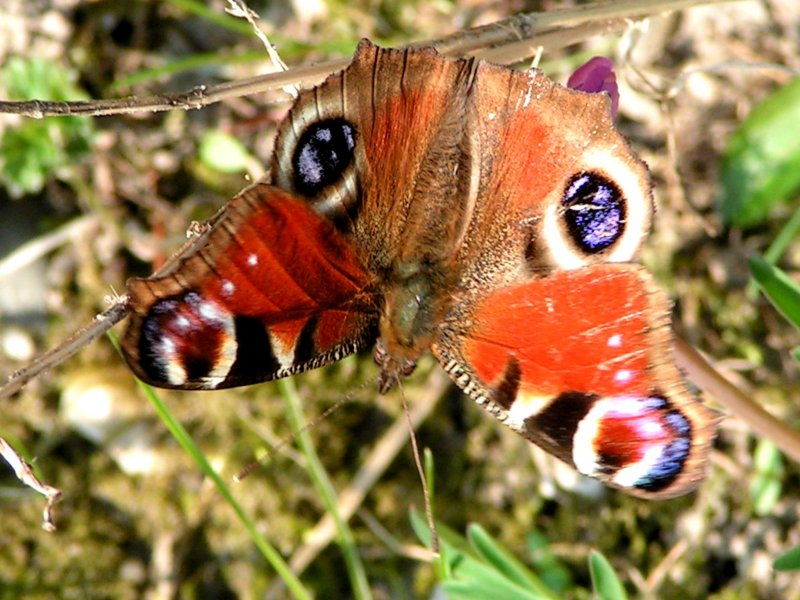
pixel 594 211
pixel 635 442
pixel 187 340
pixel 323 152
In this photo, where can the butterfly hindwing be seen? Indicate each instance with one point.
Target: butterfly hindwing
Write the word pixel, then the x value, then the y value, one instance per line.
pixel 579 363
pixel 274 290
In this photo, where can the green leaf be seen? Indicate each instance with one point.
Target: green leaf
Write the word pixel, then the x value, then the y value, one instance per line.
pixel 789 561
pixel 504 562
pixel 554 574
pixel 486 586
pixel 223 152
pixel 420 528
pixel 605 582
pixel 767 485
pixel 474 580
pixel 35 150
pixel 471 575
pixel 779 288
pixel 761 166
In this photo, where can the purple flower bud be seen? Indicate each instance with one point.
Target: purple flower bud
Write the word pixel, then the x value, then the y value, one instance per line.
pixel 597 75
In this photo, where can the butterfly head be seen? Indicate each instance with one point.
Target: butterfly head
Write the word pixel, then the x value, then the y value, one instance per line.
pixel 393 366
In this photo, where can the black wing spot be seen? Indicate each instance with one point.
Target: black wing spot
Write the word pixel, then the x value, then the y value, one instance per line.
pixel 255 359
pixel 506 391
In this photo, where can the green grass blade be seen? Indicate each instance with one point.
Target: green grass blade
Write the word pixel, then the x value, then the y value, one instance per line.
pixel 187 443
pixel 322 483
pixel 778 288
pixel 779 245
pixel 605 582
pixel 441 564
pixel 487 586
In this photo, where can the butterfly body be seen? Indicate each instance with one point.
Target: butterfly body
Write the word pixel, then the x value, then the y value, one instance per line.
pixel 485 215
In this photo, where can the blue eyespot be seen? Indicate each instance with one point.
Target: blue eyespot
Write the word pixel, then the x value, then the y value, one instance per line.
pixel 324 151
pixel 594 210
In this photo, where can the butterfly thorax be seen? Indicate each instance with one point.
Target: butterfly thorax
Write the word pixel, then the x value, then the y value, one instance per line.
pixel 409 323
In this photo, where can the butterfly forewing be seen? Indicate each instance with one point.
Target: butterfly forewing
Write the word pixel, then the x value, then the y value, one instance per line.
pixel 274 290
pixel 535 137
pixel 404 111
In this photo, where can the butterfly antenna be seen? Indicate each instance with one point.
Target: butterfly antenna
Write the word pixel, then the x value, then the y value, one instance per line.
pixel 424 480
pixel 289 439
pixel 102 323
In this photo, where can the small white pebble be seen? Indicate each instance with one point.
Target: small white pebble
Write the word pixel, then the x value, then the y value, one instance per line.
pixel 18 345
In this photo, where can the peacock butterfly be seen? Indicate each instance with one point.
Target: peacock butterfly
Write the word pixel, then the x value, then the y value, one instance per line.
pixel 486 215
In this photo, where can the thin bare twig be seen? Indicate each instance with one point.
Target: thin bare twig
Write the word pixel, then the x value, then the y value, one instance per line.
pixel 78 340
pixel 764 424
pixel 25 474
pixel 30 252
pixel 505 41
pixel 239 9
